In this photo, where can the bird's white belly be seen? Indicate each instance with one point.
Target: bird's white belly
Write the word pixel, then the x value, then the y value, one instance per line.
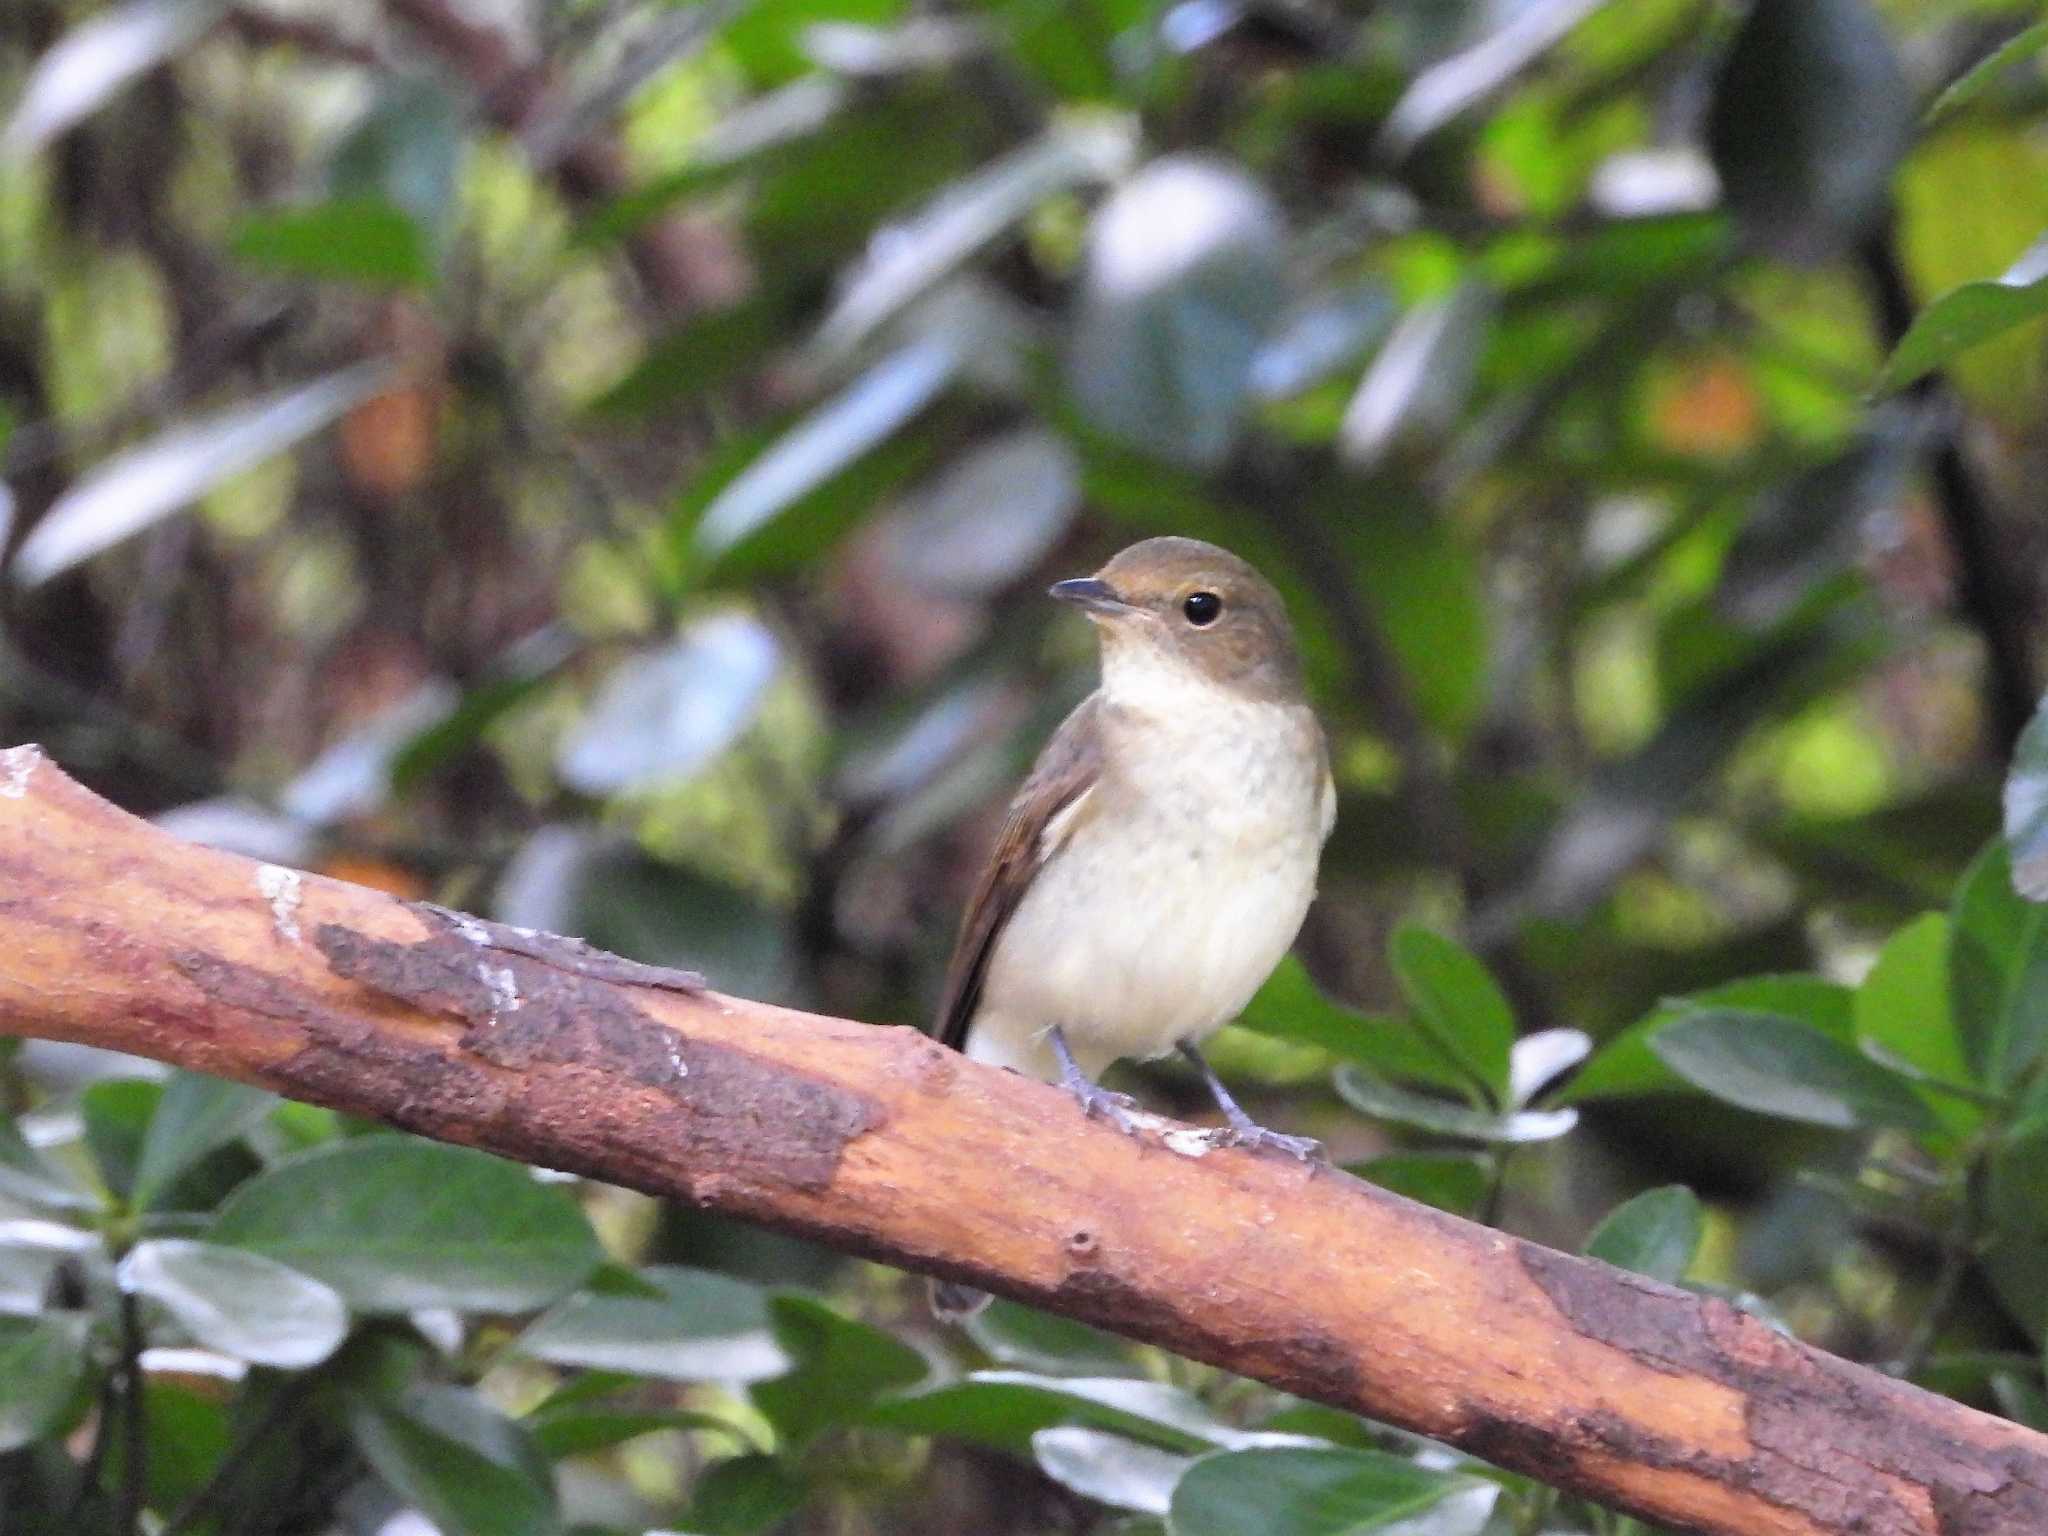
pixel 1145 931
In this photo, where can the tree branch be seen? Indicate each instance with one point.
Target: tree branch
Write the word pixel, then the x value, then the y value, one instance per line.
pixel 881 1143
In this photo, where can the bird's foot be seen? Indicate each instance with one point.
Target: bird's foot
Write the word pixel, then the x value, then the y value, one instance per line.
pixel 1303 1148
pixel 1097 1101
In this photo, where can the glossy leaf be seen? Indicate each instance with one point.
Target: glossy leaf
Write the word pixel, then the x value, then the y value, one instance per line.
pixel 842 1366
pixel 1903 1009
pixel 42 1363
pixel 1980 77
pixel 1024 1337
pixel 1540 1059
pixel 1452 85
pixel 1006 1408
pixel 909 258
pixel 97 58
pixel 1303 1492
pixel 237 1302
pixel 745 1494
pixel 1655 1234
pixel 1626 1065
pixel 698 1326
pixel 1418 383
pixel 2016 1200
pixel 395 1224
pixel 826 442
pixel 1969 316
pixel 135 489
pixel 989 517
pixel 27 1177
pixel 117 1112
pixel 359 239
pixel 1810 114
pixel 1184 277
pixel 1109 1468
pixel 1290 1006
pixel 664 714
pixel 1779 1066
pixel 1456 1003
pixel 2026 810
pixel 583 1432
pixel 470 1470
pixel 1385 1101
pixel 195 1116
pixel 1998 972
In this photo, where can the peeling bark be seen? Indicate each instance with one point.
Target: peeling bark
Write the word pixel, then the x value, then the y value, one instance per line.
pixel 879 1142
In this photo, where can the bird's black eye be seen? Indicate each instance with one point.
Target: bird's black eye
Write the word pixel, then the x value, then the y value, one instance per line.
pixel 1201 608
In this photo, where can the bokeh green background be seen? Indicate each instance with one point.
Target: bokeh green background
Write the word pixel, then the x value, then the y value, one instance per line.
pixel 597 464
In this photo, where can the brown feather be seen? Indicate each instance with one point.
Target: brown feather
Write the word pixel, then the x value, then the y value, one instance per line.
pixel 1065 770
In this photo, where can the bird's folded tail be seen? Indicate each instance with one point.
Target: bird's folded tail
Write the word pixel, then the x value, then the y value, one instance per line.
pixel 956 1303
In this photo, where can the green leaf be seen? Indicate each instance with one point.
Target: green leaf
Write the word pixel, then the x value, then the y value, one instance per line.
pixel 195 1116
pixel 351 239
pixel 1303 1492
pixel 1456 1003
pixel 139 487
pixel 93 60
pixel 1452 85
pixel 698 1326
pixel 1968 316
pixel 1185 274
pixel 1998 972
pixel 1032 1340
pixel 2016 1205
pixel 395 1224
pixel 469 1469
pixel 824 444
pixel 1902 1008
pixel 666 713
pixel 698 357
pixel 1109 1468
pixel 1006 1408
pixel 239 1303
pixel 27 1177
pixel 42 1363
pixel 117 1112
pixel 968 214
pixel 2026 806
pixel 582 1432
pixel 1655 1234
pixel 1450 1181
pixel 1810 114
pixel 1986 72
pixel 1290 1006
pixel 1429 593
pixel 842 1367
pixel 1626 1066
pixel 746 1494
pixel 1385 1101
pixel 1779 1066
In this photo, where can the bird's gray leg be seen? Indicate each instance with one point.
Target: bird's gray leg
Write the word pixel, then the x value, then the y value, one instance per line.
pixel 1245 1131
pixel 1093 1098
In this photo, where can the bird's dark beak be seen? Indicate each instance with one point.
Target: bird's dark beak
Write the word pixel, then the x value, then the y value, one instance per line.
pixel 1097 599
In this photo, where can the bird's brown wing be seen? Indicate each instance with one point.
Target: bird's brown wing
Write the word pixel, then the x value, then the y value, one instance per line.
pixel 1043 815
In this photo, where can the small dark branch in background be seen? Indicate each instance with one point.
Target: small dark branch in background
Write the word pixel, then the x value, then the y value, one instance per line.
pixel 134 1443
pixel 1984 591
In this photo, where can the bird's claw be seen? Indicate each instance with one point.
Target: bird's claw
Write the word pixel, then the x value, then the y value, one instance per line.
pixel 1303 1148
pixel 1097 1101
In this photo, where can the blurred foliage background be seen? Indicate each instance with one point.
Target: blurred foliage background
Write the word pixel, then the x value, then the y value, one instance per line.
pixel 595 462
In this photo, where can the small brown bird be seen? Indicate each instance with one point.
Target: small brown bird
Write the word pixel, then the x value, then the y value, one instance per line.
pixel 1159 858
